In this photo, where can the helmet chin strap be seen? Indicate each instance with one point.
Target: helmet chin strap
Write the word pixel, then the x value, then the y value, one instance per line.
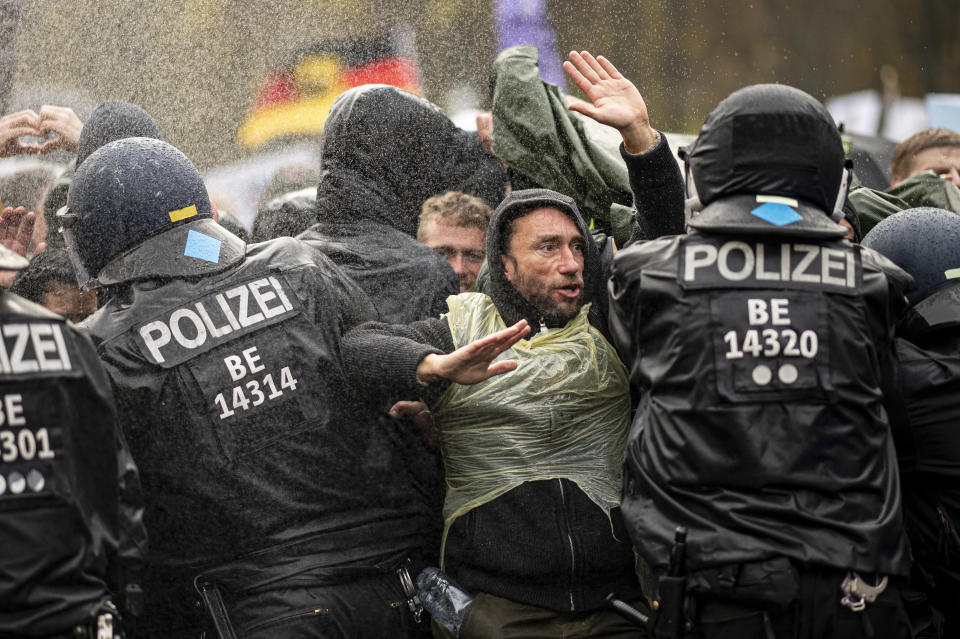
pixel 691 208
pixel 691 204
pixel 837 214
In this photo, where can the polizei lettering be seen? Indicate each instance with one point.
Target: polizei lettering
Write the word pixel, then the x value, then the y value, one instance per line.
pixel 33 348
pixel 219 317
pixel 738 263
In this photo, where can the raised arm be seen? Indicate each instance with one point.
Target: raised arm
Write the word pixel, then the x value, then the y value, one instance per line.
pixel 614 100
pixel 654 174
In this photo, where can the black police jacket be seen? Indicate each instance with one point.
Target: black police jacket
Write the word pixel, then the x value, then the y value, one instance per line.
pixel 254 470
pixel 925 420
pixel 928 350
pixel 761 351
pixel 71 535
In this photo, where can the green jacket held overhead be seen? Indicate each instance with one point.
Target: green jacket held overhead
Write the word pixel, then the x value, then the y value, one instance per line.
pixel 556 148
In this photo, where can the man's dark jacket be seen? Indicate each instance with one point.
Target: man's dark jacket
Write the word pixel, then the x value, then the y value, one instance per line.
pixel 71 533
pixel 383 152
pixel 544 543
pixel 255 470
pixel 762 432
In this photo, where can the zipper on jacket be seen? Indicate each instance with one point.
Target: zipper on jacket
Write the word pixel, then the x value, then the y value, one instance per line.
pixel 543 325
pixel 563 500
pixel 275 620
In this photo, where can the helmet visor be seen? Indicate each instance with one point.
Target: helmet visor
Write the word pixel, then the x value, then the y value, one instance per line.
pixel 68 221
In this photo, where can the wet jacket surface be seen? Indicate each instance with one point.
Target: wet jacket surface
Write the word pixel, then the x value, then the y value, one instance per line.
pixel 928 443
pixel 543 543
pixel 254 468
pixel 760 427
pixel 383 152
pixel 70 520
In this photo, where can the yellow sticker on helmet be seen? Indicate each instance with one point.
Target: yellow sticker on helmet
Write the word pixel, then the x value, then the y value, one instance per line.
pixel 184 213
pixel 952 274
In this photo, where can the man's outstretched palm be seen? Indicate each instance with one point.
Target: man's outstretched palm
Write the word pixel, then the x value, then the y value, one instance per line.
pixel 473 363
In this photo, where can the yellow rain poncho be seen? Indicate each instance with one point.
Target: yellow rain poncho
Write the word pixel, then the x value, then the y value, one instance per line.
pixel 564 412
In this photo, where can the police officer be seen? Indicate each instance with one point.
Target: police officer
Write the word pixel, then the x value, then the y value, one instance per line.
pixel 925 242
pixel 260 485
pixel 71 536
pixel 761 341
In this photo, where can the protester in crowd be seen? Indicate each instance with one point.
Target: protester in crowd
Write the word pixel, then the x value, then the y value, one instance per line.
pixel 383 152
pixel 925 170
pixel 71 531
pixel 455 225
pixel 27 188
pixel 260 481
pixel 16 233
pixel 761 343
pixel 925 412
pixel 14 126
pixel 532 459
pixel 110 121
pixel 287 215
pixel 49 281
pixel 287 206
pixel 936 150
pixel 114 120
pixel 521 451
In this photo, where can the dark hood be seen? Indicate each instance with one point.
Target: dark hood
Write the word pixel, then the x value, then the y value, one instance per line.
pixel 114 120
pixel 384 151
pixel 511 305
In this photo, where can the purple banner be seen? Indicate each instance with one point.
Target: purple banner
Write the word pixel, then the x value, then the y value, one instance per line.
pixel 528 22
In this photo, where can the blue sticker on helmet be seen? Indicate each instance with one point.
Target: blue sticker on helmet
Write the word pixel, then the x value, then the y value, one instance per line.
pixel 776 214
pixel 202 247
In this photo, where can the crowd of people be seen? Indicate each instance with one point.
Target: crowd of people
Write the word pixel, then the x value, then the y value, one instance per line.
pixel 451 385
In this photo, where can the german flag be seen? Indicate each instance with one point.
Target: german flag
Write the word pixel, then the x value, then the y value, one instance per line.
pixel 296 98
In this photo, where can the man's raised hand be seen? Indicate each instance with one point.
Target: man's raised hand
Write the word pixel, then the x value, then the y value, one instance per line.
pixel 614 100
pixel 473 363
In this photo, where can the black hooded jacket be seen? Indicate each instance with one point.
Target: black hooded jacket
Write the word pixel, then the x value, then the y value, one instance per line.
pixel 544 543
pixel 383 152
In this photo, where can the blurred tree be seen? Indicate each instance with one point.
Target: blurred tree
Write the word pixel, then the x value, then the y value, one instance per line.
pixel 196 65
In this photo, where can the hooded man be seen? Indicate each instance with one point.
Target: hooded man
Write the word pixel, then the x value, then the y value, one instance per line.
pixel 762 343
pixel 532 458
pixel 383 152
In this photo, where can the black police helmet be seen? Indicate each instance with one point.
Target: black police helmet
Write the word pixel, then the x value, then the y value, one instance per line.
pixel 925 242
pixel 127 191
pixel 770 139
